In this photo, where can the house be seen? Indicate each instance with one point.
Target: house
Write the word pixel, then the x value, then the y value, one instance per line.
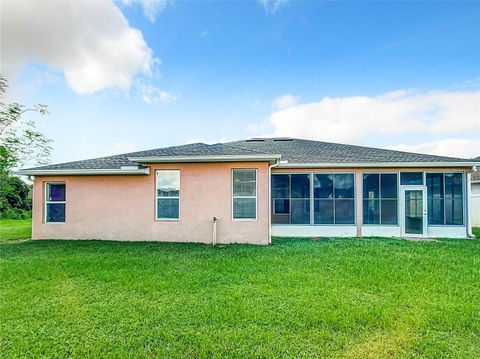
pixel 255 188
pixel 475 196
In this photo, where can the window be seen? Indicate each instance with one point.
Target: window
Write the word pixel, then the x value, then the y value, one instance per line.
pixel 244 199
pixel 55 200
pixel 453 199
pixel 334 198
pixel 168 194
pixel 281 199
pixel 380 198
pixel 411 178
pixel 435 198
pixel 445 198
pixel 300 199
pixel 291 198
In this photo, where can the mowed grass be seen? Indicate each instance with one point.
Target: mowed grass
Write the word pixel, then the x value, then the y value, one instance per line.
pixel 12 229
pixel 476 232
pixel 341 298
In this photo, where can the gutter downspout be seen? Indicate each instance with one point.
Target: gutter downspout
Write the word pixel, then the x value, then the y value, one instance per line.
pixel 277 162
pixel 469 197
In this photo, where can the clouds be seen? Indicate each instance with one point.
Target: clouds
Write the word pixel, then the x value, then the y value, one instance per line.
pixel 91 42
pixel 153 95
pixel 271 6
pixel 151 8
pixel 463 148
pixel 285 101
pixel 446 114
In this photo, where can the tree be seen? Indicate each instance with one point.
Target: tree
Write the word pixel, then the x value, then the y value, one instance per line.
pixel 21 144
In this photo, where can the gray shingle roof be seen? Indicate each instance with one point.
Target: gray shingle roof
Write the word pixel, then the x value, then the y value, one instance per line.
pixel 306 151
pixel 292 150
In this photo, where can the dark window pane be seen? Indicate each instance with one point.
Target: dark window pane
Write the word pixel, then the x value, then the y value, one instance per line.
pixel 168 193
pixel 323 211
pixel 371 211
pixel 411 178
pixel 389 185
pixel 300 185
pixel 344 184
pixel 55 212
pixel 435 185
pixel 244 208
pixel 280 218
pixel 281 206
pixel 244 182
pixel 435 211
pixel 55 192
pixel 389 211
pixel 453 185
pixel 300 211
pixel 344 211
pixel 168 208
pixel 281 211
pixel 454 211
pixel 280 185
pixel 371 184
pixel 323 186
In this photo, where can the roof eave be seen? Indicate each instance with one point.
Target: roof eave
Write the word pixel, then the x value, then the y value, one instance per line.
pixel 378 164
pixel 83 172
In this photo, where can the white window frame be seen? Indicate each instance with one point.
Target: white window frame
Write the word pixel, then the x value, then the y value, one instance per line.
pixel 249 197
pixel 47 202
pixel 176 197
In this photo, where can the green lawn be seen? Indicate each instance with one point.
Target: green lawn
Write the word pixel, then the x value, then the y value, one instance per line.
pixel 344 298
pixel 476 232
pixel 11 229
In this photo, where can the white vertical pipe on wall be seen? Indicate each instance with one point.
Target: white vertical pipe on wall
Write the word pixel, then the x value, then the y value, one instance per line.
pixel 214 231
pixel 277 162
pixel 469 205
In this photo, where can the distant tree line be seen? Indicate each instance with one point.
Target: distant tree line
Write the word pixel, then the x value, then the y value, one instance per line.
pixel 21 144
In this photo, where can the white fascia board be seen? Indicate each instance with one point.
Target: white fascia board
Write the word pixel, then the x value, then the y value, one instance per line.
pixel 188 159
pixel 378 164
pixel 84 172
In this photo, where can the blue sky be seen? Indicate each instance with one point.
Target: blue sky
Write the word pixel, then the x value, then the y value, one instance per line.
pixel 402 75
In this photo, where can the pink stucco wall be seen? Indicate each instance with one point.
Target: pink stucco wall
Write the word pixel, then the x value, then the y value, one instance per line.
pixel 123 207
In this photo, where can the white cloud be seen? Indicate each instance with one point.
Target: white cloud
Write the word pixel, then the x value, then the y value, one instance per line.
pixel 351 119
pixel 91 42
pixel 285 101
pixel 151 8
pixel 451 117
pixel 271 6
pixel 153 95
pixel 463 148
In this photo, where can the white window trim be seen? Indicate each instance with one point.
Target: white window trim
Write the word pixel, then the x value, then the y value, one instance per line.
pixel 161 219
pixel 250 197
pixel 47 202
